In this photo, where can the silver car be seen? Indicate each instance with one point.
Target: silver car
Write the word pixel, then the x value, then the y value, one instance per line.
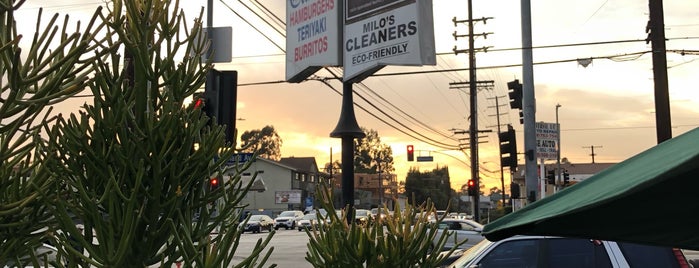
pixel 460 230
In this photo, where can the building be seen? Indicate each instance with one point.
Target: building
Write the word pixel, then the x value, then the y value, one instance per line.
pixel 289 184
pixel 368 189
pixel 576 173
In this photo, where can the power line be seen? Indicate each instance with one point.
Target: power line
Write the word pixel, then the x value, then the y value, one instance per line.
pixel 426 139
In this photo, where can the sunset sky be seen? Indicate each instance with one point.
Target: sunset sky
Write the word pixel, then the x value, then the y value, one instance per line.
pixel 607 105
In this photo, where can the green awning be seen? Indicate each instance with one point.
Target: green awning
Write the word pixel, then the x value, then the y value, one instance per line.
pixel 651 198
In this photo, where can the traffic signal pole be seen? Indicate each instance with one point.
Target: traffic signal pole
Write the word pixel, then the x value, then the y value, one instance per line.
pixel 531 179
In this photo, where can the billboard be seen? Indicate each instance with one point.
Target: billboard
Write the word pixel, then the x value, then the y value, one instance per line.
pixel 386 32
pixel 313 37
pixel 287 197
pixel 547 140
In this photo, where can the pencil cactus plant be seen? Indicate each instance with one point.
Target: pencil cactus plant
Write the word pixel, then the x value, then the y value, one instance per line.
pixel 132 168
pixel 404 239
pixel 37 71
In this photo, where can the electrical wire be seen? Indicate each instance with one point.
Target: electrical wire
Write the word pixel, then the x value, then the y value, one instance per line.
pixel 426 139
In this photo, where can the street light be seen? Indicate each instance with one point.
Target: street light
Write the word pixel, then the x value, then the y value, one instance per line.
pixel 558 152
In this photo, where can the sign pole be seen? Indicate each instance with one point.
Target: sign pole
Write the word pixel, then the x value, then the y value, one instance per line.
pixel 542 178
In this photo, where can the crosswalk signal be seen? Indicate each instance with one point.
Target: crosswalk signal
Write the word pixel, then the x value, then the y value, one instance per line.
pixel 411 155
pixel 220 94
pixel 551 177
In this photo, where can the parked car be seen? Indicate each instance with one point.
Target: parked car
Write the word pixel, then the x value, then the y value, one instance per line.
pixel 309 221
pixel 258 223
pixel 460 230
pixel 384 212
pixel 287 219
pixel 362 216
pixel 543 251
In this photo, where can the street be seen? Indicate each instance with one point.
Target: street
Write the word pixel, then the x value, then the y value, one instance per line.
pixel 289 248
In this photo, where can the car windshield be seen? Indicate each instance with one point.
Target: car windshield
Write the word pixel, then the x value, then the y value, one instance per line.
pixel 362 212
pixel 287 214
pixel 310 217
pixel 256 217
pixel 471 253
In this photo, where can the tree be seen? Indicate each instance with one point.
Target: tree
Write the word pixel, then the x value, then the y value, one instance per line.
pixel 266 142
pixel 54 65
pixel 134 167
pixel 372 156
pixel 335 167
pixel 434 185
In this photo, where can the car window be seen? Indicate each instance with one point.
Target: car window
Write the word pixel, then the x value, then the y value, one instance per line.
pixel 577 253
pixel 256 217
pixel 465 226
pixel 287 214
pixel 515 253
pixel 648 256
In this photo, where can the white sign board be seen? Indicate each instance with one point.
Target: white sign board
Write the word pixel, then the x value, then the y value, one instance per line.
pixel 547 140
pixel 313 37
pixel 287 197
pixel 386 32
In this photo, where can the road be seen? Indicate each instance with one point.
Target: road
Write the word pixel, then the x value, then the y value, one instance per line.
pixel 289 248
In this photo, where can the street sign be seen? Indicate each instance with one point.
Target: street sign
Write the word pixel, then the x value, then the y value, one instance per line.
pixel 425 158
pixel 240 158
pixel 547 140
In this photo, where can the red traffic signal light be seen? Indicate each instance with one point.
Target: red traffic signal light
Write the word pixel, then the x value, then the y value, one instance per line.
pixel 411 155
pixel 199 103
pixel 472 190
pixel 213 183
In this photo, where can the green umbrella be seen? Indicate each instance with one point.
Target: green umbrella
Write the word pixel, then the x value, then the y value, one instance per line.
pixel 651 198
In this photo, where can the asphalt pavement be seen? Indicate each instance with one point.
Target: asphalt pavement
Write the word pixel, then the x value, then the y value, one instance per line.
pixel 290 247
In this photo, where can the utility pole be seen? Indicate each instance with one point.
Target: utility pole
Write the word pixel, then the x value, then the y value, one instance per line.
pixel 502 168
pixel 592 147
pixel 473 100
pixel 656 36
pixel 528 104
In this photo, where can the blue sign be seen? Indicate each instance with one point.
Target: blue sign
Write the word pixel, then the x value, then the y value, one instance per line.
pixel 309 201
pixel 240 158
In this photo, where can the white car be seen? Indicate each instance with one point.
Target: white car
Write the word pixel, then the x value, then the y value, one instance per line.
pixel 460 230
pixel 287 219
pixel 309 221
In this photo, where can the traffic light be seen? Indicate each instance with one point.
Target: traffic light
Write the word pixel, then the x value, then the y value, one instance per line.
pixel 199 103
pixel 508 148
pixel 471 186
pixel 411 155
pixel 551 177
pixel 213 184
pixel 566 178
pixel 515 93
